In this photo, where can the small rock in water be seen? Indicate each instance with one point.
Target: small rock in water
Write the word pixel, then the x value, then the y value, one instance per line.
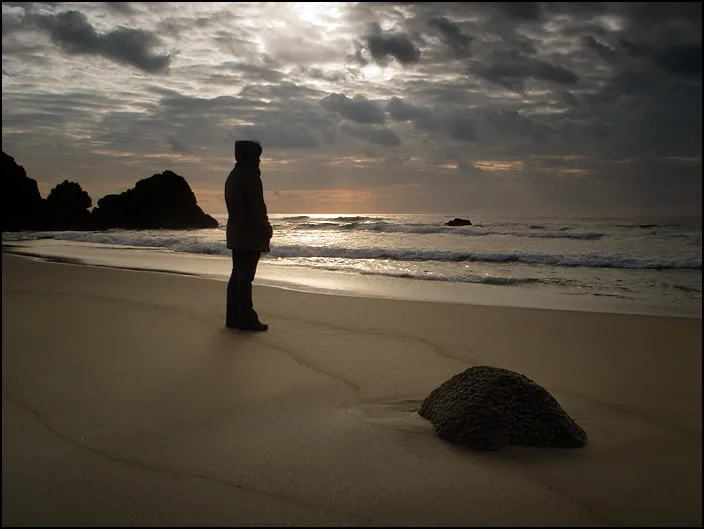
pixel 486 408
pixel 458 222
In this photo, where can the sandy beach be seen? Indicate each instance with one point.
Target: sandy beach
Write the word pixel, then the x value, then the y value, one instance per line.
pixel 127 402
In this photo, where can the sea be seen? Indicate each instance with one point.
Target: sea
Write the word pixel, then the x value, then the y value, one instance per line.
pixel 619 265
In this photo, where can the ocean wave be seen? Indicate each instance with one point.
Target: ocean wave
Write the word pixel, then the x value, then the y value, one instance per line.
pixel 475 279
pixel 152 240
pixel 590 260
pixel 352 219
pixel 679 235
pixel 341 218
pixel 423 229
pixel 670 225
pixel 198 245
pixel 686 288
pixel 318 225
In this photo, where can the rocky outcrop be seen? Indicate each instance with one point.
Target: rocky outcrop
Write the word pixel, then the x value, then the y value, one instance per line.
pixel 22 204
pixel 486 408
pixel 164 200
pixel 458 222
pixel 68 207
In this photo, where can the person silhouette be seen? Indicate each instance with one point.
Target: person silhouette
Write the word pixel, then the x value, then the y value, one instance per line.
pixel 249 233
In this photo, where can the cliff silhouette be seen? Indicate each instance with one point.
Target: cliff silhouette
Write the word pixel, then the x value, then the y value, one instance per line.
pixel 162 201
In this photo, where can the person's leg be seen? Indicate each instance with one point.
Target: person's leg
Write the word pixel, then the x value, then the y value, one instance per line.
pixel 246 269
pixel 231 316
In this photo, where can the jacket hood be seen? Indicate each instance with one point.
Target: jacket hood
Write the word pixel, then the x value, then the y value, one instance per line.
pixel 247 153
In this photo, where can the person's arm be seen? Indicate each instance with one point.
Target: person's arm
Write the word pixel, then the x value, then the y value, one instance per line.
pixel 257 206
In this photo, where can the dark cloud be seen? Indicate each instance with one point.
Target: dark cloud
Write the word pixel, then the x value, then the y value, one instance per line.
pixel 645 15
pixel 279 135
pixel 124 8
pixel 358 109
pixel 284 90
pixel 11 23
pixel 177 145
pixel 605 51
pixel 511 70
pixel 358 56
pixel 252 71
pixel 530 11
pixel 383 45
pixel 679 59
pixel 452 35
pixel 134 47
pixel 511 125
pixel 463 130
pixel 400 110
pixel 570 99
pixel 379 135
pixel 684 60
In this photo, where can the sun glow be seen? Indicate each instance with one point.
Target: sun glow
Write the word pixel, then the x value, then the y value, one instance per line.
pixel 374 72
pixel 317 13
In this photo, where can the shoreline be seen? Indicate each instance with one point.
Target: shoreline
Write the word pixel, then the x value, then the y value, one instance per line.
pixel 336 283
pixel 126 401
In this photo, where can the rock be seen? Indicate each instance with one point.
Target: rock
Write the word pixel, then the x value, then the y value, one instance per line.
pixel 163 200
pixel 68 206
pixel 22 204
pixel 486 408
pixel 458 222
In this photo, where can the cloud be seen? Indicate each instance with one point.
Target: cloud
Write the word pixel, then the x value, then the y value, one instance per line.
pixel 383 46
pixel 605 51
pixel 279 135
pixel 400 110
pixel 452 35
pixel 528 11
pixel 684 60
pixel 251 71
pixel 357 95
pixel 123 8
pixel 463 130
pixel 177 145
pixel 358 109
pixel 570 99
pixel 511 70
pixel 134 47
pixel 679 59
pixel 379 135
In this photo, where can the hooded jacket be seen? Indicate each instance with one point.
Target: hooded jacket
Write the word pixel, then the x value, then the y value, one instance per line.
pixel 248 226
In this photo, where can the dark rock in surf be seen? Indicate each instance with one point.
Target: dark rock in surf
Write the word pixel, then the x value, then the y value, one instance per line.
pixel 486 408
pixel 458 222
pixel 162 201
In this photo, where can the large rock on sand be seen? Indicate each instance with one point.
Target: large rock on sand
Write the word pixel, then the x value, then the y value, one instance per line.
pixel 68 206
pixel 486 408
pixel 164 200
pixel 22 204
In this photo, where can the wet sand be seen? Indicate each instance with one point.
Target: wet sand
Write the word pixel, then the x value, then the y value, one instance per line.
pixel 127 402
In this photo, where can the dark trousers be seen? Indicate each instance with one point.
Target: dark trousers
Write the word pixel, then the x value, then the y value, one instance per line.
pixel 240 309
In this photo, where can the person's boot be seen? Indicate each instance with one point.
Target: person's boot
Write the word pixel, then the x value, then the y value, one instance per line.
pixel 256 326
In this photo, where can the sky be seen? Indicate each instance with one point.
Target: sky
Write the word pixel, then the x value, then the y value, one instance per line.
pixel 528 109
